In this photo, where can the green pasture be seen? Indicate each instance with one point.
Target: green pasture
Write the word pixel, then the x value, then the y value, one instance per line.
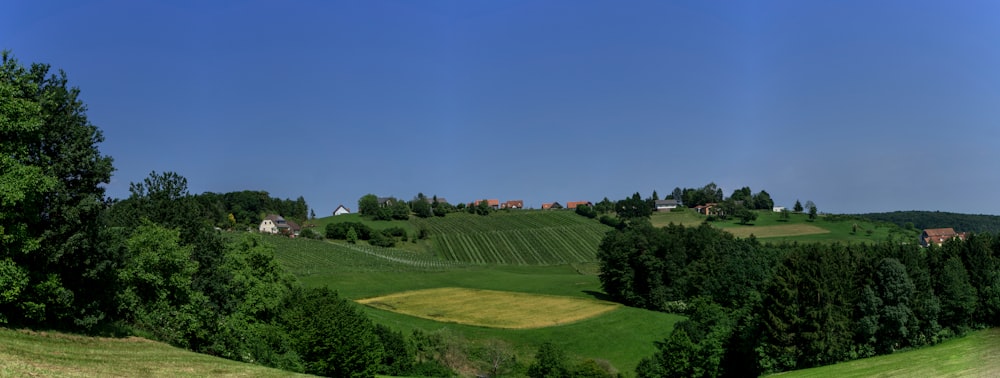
pixel 824 229
pixel 622 336
pixel 49 354
pixel 974 355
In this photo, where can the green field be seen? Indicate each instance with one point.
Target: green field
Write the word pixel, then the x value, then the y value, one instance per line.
pixel 622 336
pixel 770 227
pixel 974 355
pixel 49 354
pixel 524 237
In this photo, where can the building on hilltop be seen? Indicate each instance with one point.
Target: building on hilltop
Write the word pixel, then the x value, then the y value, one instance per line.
pixel 551 206
pixel 574 204
pixel 513 204
pixel 341 210
pixel 665 205
pixel 494 203
pixel 938 236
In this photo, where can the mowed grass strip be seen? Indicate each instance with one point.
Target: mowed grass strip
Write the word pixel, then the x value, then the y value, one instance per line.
pixel 776 231
pixel 52 354
pixel 974 355
pixel 488 308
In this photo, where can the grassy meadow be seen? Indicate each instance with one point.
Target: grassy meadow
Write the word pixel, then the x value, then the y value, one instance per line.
pixel 50 354
pixel 974 355
pixel 490 308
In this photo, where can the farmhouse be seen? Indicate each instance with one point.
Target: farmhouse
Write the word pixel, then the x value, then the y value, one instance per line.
pixel 273 224
pixel 938 236
pixel 494 203
pixel 778 209
pixel 553 205
pixel 341 210
pixel 574 204
pixel 385 201
pixel 513 204
pixel 707 209
pixel 665 205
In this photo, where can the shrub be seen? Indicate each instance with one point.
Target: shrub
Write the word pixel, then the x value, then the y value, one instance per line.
pixel 338 231
pixel 380 239
pixel 610 221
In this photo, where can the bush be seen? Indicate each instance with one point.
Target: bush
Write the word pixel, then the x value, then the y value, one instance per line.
pixel 586 211
pixel 309 233
pixel 380 239
pixel 610 221
pixel 338 231
pixel 395 232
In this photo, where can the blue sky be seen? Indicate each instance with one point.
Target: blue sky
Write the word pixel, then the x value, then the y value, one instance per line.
pixel 856 105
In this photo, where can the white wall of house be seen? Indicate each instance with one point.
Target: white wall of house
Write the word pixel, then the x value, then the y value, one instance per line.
pixel 268 226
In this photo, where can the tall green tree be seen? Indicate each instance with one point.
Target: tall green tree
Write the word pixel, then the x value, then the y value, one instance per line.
pixel 368 205
pixel 332 336
pixel 52 196
pixel 550 362
pixel 421 206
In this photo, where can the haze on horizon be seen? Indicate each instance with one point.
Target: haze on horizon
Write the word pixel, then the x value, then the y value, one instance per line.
pixel 857 106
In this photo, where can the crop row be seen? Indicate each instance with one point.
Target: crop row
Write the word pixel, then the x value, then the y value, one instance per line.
pixel 542 246
pixel 305 257
pixel 461 223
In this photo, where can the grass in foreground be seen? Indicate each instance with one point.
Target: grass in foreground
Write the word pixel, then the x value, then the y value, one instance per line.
pixel 974 355
pixel 489 308
pixel 49 354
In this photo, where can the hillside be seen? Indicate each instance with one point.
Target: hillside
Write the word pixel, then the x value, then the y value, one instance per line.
pixel 622 336
pixel 50 354
pixel 974 355
pixel 525 237
pixel 769 226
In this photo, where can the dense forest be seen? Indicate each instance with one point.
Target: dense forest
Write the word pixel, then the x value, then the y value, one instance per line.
pixel 758 308
pixel 937 219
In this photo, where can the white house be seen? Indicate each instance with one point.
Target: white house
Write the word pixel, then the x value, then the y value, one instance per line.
pixel 272 224
pixel 665 205
pixel 778 209
pixel 340 210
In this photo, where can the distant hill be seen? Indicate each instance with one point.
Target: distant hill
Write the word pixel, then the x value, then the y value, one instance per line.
pixel 938 219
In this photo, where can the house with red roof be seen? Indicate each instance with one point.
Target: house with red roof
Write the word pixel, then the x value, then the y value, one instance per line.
pixel 938 236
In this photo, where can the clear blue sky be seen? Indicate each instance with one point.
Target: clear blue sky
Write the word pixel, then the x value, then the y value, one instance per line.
pixel 856 105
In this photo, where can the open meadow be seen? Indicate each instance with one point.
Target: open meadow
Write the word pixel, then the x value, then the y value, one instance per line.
pixel 52 354
pixel 491 308
pixel 974 355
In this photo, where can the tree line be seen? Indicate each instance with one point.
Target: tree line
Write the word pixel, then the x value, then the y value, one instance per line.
pixel 757 308
pixel 938 219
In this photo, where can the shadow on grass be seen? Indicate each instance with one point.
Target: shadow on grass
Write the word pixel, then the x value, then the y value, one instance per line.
pixel 599 295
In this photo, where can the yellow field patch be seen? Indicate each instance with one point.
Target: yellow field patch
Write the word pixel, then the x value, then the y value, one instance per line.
pixel 488 308
pixel 776 231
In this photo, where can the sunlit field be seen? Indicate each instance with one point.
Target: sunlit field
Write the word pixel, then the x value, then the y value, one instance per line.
pixel 488 308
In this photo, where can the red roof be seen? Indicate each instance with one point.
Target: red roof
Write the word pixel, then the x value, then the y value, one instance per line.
pixel 491 202
pixel 513 204
pixel 574 204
